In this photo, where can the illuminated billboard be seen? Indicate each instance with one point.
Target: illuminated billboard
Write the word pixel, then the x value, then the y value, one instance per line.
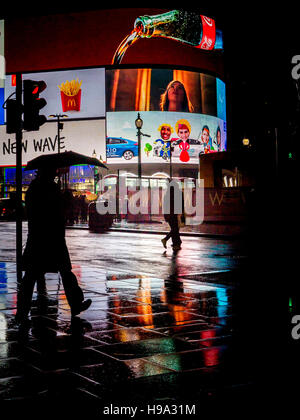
pixel 183 26
pixel 77 93
pixel 189 134
pixel 184 114
pixel 180 108
pixel 83 136
pixel 130 36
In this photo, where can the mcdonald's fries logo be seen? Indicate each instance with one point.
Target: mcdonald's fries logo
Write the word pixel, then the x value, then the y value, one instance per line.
pixel 71 103
pixel 70 93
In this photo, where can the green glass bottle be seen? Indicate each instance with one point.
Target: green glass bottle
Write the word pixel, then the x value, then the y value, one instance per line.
pixel 188 27
pixel 184 26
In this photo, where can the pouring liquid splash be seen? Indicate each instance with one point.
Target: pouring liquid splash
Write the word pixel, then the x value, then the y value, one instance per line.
pixel 125 44
pixel 187 27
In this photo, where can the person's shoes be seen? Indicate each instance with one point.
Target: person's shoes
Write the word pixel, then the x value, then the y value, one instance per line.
pixel 82 307
pixel 22 320
pixel 164 242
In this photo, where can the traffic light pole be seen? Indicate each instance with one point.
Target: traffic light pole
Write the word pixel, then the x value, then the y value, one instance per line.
pixel 19 209
pixel 58 132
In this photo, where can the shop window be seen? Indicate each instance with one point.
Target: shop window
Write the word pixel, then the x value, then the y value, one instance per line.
pixel 230 179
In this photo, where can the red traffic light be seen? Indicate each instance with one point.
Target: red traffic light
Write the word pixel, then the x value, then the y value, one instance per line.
pixel 38 87
pixel 33 104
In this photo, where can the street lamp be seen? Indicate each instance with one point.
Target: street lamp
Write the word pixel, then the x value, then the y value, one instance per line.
pixel 139 125
pixel 171 151
pixel 139 122
pixel 60 126
pixel 246 142
pixel 96 173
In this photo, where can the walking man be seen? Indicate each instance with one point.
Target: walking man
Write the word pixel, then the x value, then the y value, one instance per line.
pixel 46 250
pixel 173 209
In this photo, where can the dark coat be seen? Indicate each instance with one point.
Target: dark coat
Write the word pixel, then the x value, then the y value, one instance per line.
pixel 169 206
pixel 46 248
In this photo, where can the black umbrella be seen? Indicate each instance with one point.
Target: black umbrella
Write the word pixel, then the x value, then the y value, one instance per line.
pixel 61 160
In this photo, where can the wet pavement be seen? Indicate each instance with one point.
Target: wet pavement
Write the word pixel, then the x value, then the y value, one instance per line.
pixel 163 332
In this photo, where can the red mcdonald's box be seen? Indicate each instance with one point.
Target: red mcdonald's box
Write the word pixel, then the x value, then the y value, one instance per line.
pixel 70 102
pixel 70 93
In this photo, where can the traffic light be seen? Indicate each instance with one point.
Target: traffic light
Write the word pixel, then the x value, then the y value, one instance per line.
pixel 33 104
pixel 12 116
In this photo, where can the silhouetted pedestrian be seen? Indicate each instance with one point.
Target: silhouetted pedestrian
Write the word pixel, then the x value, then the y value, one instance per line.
pixel 172 211
pixel 76 209
pixel 83 209
pixel 46 249
pixel 68 200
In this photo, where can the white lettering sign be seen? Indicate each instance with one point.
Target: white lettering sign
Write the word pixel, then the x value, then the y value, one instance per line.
pixel 79 136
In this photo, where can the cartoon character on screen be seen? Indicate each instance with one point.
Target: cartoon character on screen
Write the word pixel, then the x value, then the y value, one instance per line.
pixel 183 130
pixel 162 146
pixel 147 149
pixel 216 144
pixel 206 140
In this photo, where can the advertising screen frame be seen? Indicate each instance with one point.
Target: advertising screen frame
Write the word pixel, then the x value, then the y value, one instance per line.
pixel 145 108
pixel 101 32
pixel 109 68
pixel 58 102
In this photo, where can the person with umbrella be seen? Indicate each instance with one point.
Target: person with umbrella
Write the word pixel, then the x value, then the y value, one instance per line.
pixel 46 250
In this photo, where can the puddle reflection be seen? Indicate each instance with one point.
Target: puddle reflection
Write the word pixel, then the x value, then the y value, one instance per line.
pixel 153 303
pixel 172 324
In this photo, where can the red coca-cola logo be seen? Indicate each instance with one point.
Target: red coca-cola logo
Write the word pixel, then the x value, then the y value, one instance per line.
pixel 208 33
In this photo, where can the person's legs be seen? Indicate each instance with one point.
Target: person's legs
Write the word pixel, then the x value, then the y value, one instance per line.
pixel 168 236
pixel 25 292
pixel 175 235
pixel 165 239
pixel 41 284
pixel 74 293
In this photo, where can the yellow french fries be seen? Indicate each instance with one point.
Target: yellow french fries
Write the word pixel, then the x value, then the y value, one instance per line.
pixel 70 88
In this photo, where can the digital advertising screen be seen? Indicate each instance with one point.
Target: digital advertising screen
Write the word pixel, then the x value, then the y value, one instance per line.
pixel 183 113
pixel 83 136
pixel 125 36
pixel 79 93
pixel 221 99
pixel 189 134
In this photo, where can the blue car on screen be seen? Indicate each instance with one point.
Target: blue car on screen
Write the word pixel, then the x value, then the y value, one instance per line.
pixel 119 147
